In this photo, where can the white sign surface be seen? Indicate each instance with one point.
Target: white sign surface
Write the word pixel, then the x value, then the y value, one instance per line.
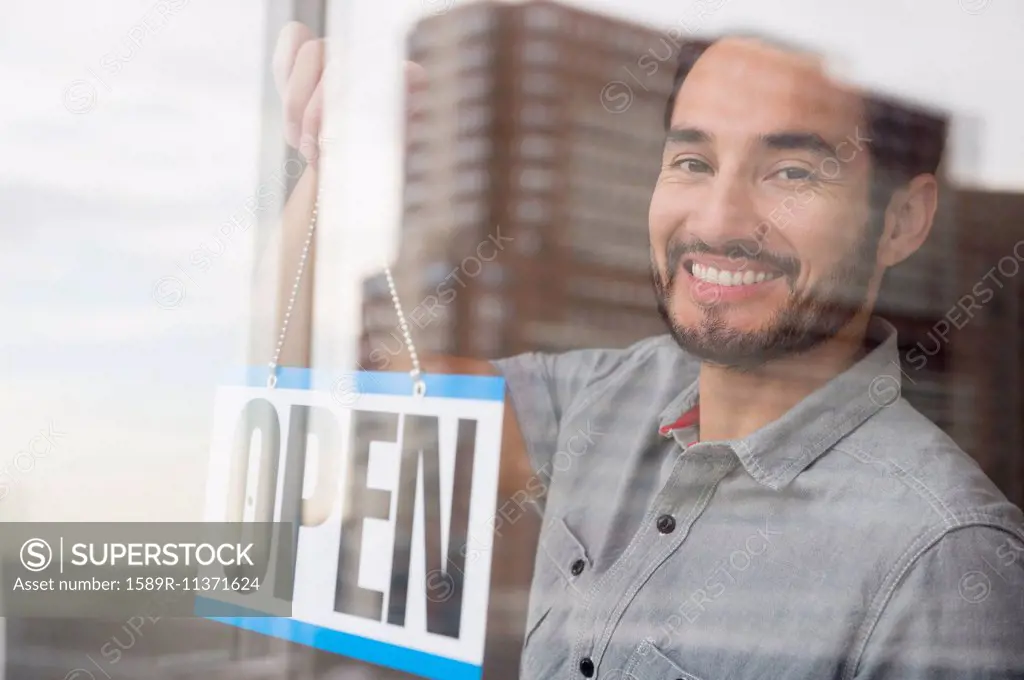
pixel 393 497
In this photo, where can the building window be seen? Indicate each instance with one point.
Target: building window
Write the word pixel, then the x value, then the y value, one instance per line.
pixel 425 38
pixel 438 342
pixel 625 42
pixel 379 318
pixel 540 52
pixel 414 220
pixel 622 255
pixel 476 22
pixel 468 214
pixel 489 309
pixel 471 182
pixel 540 115
pixel 528 241
pixel 488 341
pixel 557 337
pixel 418 128
pixel 475 56
pixel 493 274
pixel 536 147
pixel 532 210
pixel 473 118
pixel 541 17
pixel 375 286
pixel 476 85
pixel 417 162
pixel 610 291
pixel 536 179
pixel 435 272
pixel 472 149
pixel 540 84
pixel 415 193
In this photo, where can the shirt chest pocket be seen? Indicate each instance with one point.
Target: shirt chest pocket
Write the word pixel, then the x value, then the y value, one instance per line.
pixel 649 663
pixel 559 579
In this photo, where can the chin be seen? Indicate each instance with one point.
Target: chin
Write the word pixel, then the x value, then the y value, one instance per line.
pixel 723 316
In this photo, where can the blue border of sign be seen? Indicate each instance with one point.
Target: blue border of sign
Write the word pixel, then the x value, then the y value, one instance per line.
pixel 375 652
pixel 422 664
pixel 481 387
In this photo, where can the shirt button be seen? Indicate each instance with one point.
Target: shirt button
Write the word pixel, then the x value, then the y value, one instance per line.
pixel 577 567
pixel 666 524
pixel 587 667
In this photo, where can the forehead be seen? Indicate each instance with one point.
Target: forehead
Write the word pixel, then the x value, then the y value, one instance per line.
pixel 746 88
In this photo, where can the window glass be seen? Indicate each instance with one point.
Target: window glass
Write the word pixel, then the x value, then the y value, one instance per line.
pixel 701 398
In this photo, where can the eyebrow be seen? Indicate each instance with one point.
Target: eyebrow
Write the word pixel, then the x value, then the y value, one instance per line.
pixel 688 135
pixel 780 141
pixel 798 141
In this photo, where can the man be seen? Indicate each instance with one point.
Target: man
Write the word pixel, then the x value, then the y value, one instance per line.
pixel 749 497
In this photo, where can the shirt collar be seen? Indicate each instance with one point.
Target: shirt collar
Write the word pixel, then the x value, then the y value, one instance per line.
pixel 778 452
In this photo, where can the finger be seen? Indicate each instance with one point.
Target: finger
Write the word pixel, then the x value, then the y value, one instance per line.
pixel 312 119
pixel 302 83
pixel 415 75
pixel 289 40
pixel 415 85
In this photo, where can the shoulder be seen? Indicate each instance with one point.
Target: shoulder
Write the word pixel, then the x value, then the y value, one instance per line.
pixel 917 494
pixel 944 532
pixel 650 356
pixel 586 367
pixel 940 487
pixel 955 610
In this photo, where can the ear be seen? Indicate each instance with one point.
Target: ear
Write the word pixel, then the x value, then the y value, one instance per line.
pixel 908 219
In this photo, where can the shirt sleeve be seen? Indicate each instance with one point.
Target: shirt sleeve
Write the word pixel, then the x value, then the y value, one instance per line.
pixel 958 613
pixel 543 388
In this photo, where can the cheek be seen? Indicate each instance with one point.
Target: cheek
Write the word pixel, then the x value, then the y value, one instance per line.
pixel 664 216
pixel 658 225
pixel 657 211
pixel 822 237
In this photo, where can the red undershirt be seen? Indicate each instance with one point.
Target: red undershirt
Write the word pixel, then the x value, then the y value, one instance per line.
pixel 688 419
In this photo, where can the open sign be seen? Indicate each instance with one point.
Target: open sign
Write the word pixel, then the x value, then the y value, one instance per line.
pixel 392 497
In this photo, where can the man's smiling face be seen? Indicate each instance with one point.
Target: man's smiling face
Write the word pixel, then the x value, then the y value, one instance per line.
pixel 763 242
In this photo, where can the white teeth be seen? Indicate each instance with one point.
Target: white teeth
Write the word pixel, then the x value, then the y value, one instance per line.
pixel 729 278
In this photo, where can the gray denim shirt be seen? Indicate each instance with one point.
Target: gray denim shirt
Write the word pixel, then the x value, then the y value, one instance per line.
pixel 851 538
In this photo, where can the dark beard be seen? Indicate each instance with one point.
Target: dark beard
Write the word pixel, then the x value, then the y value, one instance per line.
pixel 804 322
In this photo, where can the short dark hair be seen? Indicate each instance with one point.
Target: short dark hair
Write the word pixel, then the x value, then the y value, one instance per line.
pixel 906 140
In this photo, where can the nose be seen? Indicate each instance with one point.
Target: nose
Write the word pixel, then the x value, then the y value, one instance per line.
pixel 728 214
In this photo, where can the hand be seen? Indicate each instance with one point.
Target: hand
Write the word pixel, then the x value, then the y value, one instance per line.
pixel 300 67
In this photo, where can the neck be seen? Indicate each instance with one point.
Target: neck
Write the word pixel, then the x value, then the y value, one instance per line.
pixel 735 404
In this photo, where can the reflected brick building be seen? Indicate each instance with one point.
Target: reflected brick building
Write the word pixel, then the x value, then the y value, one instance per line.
pixel 529 168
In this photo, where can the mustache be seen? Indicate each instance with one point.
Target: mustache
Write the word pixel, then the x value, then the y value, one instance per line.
pixel 752 251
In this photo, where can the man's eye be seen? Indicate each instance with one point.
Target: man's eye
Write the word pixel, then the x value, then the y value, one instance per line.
pixel 691 165
pixel 795 174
